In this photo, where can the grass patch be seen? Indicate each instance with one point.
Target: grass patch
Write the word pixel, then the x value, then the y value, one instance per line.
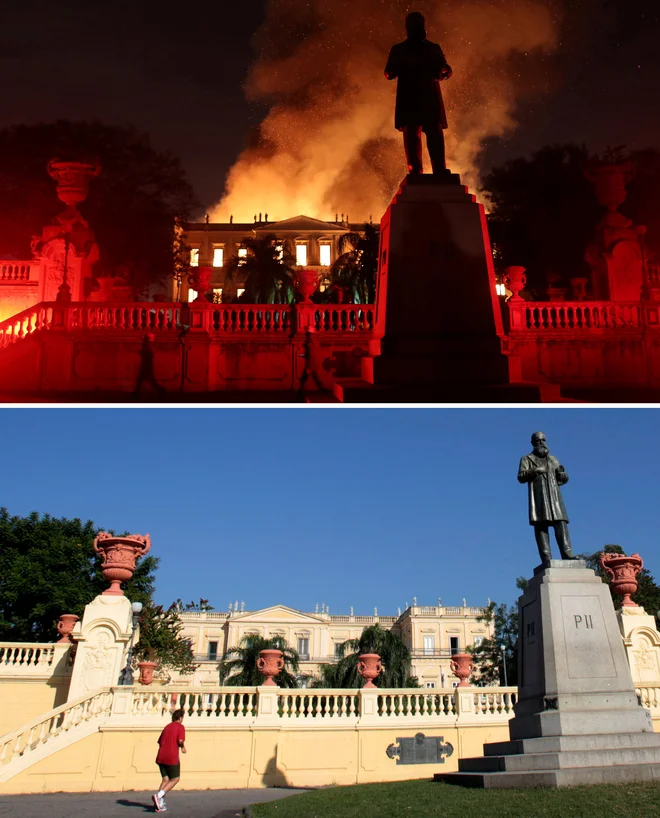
pixel 426 799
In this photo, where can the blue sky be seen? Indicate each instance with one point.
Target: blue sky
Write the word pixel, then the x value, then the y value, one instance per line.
pixel 353 507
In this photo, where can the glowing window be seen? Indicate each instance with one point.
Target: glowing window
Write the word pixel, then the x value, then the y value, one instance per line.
pixel 218 256
pixel 217 295
pixel 242 255
pixel 240 291
pixel 325 255
pixel 192 295
pixel 194 257
pixel 279 252
pixel 301 255
pixel 500 289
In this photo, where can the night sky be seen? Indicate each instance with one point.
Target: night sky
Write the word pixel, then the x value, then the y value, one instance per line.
pixel 179 74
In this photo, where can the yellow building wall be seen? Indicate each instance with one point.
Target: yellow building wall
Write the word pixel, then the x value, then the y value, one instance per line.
pixel 115 760
pixel 21 701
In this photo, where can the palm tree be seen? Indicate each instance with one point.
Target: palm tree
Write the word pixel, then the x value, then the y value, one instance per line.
pixel 267 271
pixel 241 670
pixel 394 656
pixel 354 272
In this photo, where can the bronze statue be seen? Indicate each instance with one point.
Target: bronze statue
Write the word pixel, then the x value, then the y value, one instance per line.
pixel 419 66
pixel 544 475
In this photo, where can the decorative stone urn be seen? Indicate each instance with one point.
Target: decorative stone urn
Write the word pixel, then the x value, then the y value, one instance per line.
pixel 200 280
pixel 369 666
pixel 462 665
pixel 147 672
pixel 609 181
pixel 622 571
pixel 65 626
pixel 306 282
pixel 72 183
pixel 515 279
pixel 269 663
pixel 119 555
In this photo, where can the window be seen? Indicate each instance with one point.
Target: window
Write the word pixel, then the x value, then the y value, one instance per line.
pixel 213 650
pixel 325 254
pixel 453 644
pixel 303 647
pixel 194 257
pixel 192 295
pixel 477 641
pixel 279 252
pixel 217 295
pixel 430 685
pixel 242 255
pixel 218 256
pixel 301 255
pixel 429 645
pixel 240 291
pixel 339 648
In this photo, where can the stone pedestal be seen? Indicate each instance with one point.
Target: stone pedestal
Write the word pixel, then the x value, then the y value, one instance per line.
pixel 642 644
pixel 437 311
pixel 101 644
pixel 578 719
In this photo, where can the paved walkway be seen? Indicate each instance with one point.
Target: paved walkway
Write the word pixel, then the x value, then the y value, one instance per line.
pixel 180 803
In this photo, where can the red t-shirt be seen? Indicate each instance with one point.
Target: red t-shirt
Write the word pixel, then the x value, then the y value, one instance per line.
pixel 169 741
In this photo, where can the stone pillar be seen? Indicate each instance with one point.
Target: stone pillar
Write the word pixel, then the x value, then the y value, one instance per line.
pixel 642 643
pixel 101 644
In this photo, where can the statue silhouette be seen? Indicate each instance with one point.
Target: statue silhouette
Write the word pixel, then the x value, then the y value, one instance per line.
pixel 419 65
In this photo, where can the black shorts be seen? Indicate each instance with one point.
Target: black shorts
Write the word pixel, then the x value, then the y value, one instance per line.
pixel 170 770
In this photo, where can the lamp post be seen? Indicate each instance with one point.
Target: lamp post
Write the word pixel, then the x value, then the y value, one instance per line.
pixel 503 649
pixel 127 672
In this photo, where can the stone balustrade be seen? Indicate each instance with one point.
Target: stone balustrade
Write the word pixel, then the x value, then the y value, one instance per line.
pixel 18 272
pixel 18 659
pixel 574 316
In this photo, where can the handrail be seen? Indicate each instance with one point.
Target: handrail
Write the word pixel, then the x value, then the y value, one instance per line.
pixel 574 316
pixel 33 735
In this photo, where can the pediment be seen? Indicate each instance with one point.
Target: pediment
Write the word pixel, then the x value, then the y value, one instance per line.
pixel 277 614
pixel 301 224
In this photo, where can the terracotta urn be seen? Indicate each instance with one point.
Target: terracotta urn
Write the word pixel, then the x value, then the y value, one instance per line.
pixel 622 571
pixel 200 280
pixel 369 666
pixel 515 279
pixel 65 626
pixel 269 663
pixel 609 181
pixel 462 665
pixel 147 672
pixel 72 180
pixel 306 283
pixel 119 555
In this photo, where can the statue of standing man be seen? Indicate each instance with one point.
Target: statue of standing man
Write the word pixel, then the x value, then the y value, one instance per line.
pixel 544 475
pixel 419 65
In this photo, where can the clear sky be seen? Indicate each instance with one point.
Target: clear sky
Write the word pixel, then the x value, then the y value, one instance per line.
pixel 354 507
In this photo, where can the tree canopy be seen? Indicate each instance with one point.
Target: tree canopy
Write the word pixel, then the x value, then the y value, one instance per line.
pixel 48 567
pixel 266 272
pixel 161 641
pixel 132 206
pixel 354 272
pixel 544 210
pixel 394 655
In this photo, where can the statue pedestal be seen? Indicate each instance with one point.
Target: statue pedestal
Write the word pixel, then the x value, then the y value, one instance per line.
pixel 577 719
pixel 437 312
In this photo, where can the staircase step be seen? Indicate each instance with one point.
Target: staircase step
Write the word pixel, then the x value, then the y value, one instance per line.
pixel 530 762
pixel 556 744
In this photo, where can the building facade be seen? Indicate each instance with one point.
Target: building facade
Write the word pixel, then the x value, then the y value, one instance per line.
pixel 315 245
pixel 431 633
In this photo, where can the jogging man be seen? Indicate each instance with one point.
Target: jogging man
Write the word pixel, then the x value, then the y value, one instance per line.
pixel 170 740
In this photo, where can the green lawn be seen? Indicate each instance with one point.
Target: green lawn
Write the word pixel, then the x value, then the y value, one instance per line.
pixel 425 798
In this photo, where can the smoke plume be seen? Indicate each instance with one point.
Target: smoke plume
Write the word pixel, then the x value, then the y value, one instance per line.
pixel 328 143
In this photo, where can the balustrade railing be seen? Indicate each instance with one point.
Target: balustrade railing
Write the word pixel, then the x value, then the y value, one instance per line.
pixel 495 703
pixel 344 318
pixel 25 323
pixel 139 317
pixel 574 316
pixel 416 703
pixel 18 658
pixel 319 704
pixel 32 736
pixel 649 697
pixel 16 271
pixel 228 703
pixel 248 318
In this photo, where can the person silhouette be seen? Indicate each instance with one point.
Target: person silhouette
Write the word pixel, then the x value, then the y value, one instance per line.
pixel 419 66
pixel 146 373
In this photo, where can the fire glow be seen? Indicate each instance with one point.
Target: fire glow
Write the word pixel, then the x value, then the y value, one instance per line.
pixel 328 143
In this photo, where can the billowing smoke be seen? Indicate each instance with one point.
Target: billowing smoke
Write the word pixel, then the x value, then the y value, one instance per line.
pixel 328 144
